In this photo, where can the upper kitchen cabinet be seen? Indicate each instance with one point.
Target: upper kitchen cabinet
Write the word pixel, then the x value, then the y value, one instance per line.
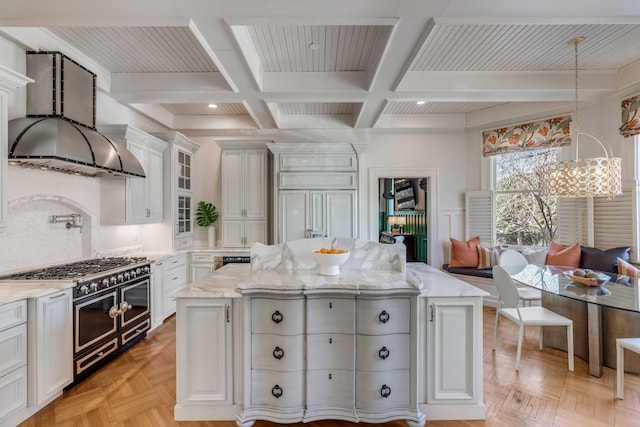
pixel 245 176
pixel 178 192
pixel 316 190
pixel 134 200
pixel 9 81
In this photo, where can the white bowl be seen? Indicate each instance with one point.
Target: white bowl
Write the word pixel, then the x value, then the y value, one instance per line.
pixel 330 263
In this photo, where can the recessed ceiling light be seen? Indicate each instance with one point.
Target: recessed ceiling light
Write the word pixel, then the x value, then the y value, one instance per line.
pixel 420 102
pixel 212 106
pixel 314 46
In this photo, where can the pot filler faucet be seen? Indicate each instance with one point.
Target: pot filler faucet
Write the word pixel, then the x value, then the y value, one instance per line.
pixel 73 220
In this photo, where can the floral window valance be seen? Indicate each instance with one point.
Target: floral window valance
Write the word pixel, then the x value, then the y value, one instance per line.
pixel 534 135
pixel 630 123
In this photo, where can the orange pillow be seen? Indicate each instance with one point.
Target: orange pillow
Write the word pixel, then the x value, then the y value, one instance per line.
pixel 464 254
pixel 568 256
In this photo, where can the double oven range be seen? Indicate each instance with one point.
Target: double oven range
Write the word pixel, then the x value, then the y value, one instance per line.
pixel 111 310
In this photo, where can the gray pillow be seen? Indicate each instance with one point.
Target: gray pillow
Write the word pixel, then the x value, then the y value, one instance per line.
pixel 607 261
pixel 535 256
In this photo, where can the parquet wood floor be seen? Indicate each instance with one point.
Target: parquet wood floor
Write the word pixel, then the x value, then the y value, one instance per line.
pixel 138 390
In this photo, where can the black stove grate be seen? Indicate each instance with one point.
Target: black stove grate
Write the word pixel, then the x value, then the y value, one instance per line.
pixel 75 270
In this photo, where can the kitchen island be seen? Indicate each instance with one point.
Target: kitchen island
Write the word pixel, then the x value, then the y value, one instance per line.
pixel 381 341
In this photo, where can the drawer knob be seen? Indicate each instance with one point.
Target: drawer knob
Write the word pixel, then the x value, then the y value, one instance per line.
pixel 277 317
pixel 384 316
pixel 278 353
pixel 276 391
pixel 385 391
pixel 383 353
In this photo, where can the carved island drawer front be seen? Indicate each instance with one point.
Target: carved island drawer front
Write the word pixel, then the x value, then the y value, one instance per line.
pixel 277 389
pixel 273 316
pixel 330 388
pixel 384 352
pixel 382 390
pixel 383 316
pixel 331 315
pixel 277 352
pixel 330 351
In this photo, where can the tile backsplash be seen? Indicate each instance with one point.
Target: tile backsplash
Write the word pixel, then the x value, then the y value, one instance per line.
pixel 31 239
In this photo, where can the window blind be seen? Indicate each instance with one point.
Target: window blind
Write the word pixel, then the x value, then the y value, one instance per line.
pixel 613 221
pixel 480 216
pixel 573 225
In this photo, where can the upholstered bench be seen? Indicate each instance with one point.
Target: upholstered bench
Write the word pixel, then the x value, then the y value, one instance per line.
pixel 480 278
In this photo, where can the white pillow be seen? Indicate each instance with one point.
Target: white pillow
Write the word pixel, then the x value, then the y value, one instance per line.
pixel 535 256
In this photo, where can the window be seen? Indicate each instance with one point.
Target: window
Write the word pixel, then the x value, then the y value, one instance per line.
pixel 522 216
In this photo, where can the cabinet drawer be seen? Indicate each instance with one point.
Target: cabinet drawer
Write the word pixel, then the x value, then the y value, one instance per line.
pixel 174 279
pixel 12 314
pixel 277 352
pixel 331 315
pixel 183 243
pixel 330 389
pixel 383 352
pixel 383 316
pixel 174 262
pixel 277 389
pixel 202 257
pixel 372 387
pixel 13 392
pixel 13 348
pixel 277 316
pixel 330 351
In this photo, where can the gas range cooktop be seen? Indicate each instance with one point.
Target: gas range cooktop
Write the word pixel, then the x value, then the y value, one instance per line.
pixel 76 270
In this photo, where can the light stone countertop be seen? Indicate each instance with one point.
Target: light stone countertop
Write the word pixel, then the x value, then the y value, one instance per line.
pixel 228 281
pixel 10 292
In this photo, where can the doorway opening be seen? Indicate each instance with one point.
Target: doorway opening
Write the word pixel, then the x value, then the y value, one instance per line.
pixel 403 214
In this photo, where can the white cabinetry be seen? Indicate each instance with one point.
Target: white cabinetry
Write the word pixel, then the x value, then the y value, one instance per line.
pixel 178 173
pixel 244 195
pixel 306 214
pixel 9 81
pixel 13 358
pixel 174 279
pixel 134 200
pixel 204 387
pixel 50 345
pixel 454 337
pixel 316 190
pixel 156 294
pixel 201 265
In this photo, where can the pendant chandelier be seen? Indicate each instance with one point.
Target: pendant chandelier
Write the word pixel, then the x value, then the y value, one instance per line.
pixel 588 177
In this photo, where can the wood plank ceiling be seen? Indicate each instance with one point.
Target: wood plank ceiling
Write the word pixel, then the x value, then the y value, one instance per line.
pixel 340 64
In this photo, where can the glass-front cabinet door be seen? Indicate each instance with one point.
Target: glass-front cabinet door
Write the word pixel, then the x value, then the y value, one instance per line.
pixel 184 171
pixel 184 215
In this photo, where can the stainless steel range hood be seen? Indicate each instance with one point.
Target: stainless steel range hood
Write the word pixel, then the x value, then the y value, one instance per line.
pixel 59 131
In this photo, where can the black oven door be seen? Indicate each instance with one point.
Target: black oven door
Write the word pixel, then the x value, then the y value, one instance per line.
pixel 134 302
pixel 93 321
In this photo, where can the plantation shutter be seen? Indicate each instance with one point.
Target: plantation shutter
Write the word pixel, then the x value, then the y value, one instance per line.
pixel 573 221
pixel 480 217
pixel 613 221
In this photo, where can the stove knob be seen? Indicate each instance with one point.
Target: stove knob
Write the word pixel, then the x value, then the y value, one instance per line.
pixel 120 278
pixel 138 270
pixel 133 274
pixel 84 288
pixel 127 276
pixel 113 280
pixel 94 286
pixel 146 269
pixel 105 283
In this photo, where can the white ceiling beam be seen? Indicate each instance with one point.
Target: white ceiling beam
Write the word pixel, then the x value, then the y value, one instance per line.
pixel 354 81
pixel 523 86
pixel 422 121
pixel 212 55
pixel 168 87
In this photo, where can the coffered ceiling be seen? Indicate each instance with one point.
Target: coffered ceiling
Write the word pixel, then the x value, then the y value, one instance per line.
pixel 337 64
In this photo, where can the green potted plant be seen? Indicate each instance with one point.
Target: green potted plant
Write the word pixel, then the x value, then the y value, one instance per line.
pixel 206 215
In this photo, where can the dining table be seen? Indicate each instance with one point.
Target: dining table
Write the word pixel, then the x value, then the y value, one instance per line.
pixel 601 311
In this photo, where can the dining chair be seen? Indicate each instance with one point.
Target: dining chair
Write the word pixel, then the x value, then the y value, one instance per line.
pixel 514 262
pixel 631 344
pixel 525 316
